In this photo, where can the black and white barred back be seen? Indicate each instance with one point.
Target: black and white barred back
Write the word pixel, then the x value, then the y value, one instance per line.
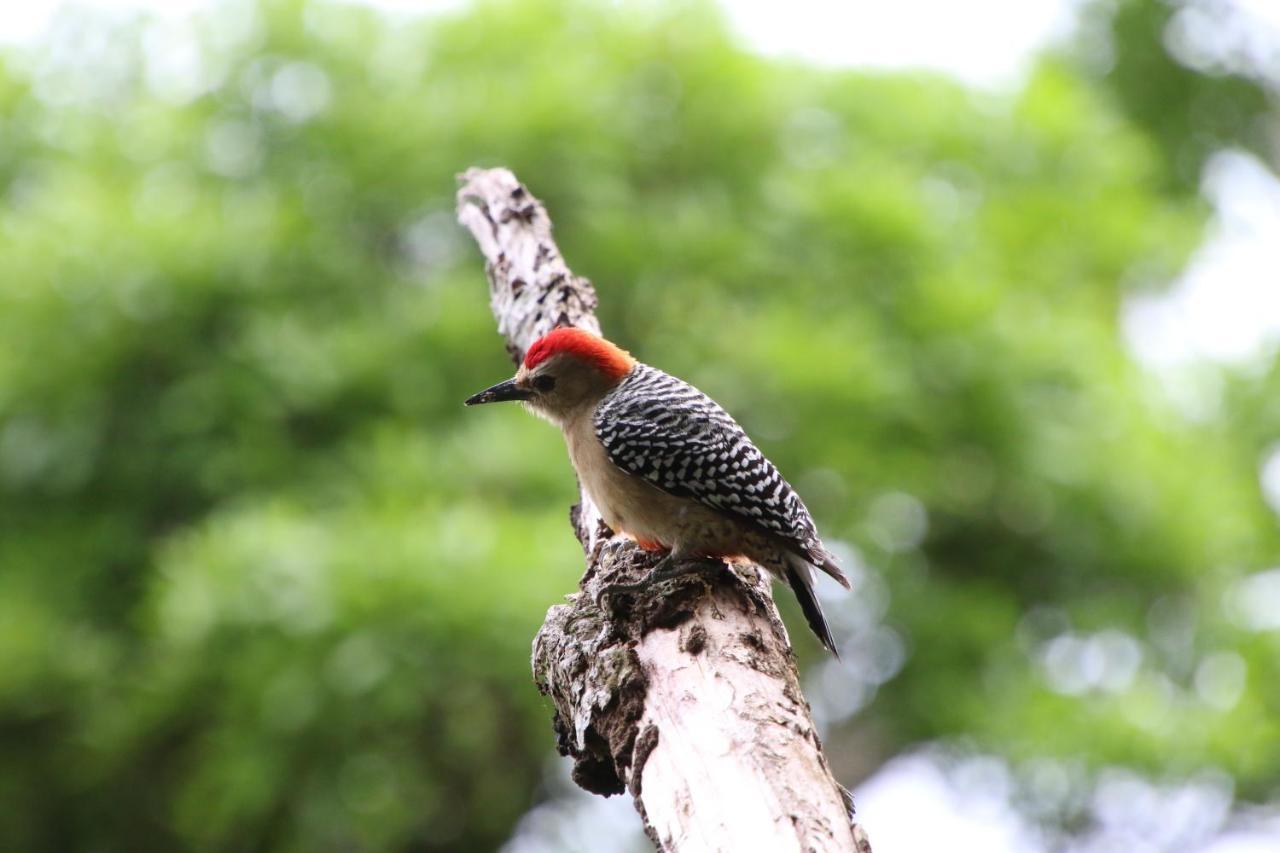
pixel 663 429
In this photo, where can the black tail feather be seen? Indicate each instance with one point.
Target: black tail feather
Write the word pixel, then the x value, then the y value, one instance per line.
pixel 802 586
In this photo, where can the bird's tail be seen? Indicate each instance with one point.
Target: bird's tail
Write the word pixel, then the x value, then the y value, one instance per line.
pixel 826 561
pixel 799 577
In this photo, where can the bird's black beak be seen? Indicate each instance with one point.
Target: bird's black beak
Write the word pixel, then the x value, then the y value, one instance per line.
pixel 501 392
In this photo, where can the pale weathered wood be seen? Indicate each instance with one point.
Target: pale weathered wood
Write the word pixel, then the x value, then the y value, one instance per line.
pixel 685 695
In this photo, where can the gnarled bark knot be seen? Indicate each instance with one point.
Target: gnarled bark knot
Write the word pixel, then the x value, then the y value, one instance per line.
pixel 686 694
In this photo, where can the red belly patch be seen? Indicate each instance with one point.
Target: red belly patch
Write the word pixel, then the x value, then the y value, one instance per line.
pixel 647 544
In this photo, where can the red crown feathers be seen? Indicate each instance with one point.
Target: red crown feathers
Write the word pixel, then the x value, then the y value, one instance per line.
pixel 611 360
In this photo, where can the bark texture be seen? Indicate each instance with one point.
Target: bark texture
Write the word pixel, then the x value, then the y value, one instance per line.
pixel 685 695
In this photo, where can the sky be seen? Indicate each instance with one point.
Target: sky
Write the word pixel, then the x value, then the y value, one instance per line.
pixel 1224 309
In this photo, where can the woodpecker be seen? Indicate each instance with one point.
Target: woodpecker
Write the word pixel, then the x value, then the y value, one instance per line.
pixel 667 466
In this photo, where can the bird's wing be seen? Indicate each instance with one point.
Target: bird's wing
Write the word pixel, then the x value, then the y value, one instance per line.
pixel 663 429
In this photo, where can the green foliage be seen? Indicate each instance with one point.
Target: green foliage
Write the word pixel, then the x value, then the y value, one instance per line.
pixel 1189 112
pixel 265 584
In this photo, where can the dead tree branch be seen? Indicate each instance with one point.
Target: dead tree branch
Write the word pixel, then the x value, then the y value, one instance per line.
pixel 685 695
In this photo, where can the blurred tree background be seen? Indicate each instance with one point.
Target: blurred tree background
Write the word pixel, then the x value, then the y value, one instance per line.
pixel 265 585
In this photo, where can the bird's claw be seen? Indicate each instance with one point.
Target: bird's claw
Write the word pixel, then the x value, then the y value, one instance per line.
pixel 667 569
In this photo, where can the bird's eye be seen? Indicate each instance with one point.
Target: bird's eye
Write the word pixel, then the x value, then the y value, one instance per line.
pixel 542 384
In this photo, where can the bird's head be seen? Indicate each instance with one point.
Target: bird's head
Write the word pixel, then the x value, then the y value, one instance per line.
pixel 563 371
